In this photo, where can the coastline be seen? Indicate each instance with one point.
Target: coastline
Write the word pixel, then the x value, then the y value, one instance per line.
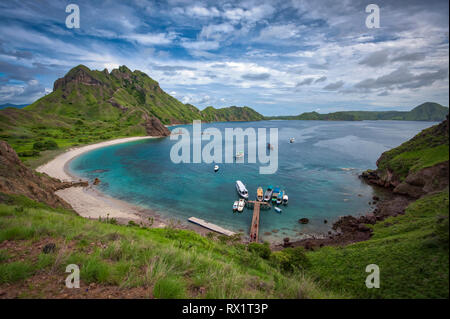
pixel 90 203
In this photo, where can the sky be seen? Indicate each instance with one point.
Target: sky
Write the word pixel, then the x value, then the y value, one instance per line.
pixel 278 57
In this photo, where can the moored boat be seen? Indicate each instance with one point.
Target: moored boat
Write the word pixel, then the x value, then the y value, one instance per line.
pixel 285 198
pixel 268 193
pixel 259 194
pixel 239 155
pixel 241 189
pixel 235 206
pixel 241 205
pixel 280 198
pixel 275 193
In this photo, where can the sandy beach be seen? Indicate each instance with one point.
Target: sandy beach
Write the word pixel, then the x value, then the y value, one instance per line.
pixel 87 201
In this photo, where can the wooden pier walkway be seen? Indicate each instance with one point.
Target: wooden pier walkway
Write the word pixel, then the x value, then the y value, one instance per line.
pixel 254 229
pixel 211 226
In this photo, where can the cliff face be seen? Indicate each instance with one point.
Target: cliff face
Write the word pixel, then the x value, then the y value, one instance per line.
pixel 17 179
pixel 418 166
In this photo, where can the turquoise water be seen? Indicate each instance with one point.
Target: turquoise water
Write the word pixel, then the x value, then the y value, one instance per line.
pixel 319 173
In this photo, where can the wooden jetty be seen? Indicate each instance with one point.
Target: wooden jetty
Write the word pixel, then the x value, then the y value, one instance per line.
pixel 254 229
pixel 211 226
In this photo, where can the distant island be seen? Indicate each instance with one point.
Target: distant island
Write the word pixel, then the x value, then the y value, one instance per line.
pixel 428 111
pixel 17 106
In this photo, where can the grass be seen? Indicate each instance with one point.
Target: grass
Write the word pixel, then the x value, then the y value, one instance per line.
pixel 426 149
pixel 411 251
pixel 170 263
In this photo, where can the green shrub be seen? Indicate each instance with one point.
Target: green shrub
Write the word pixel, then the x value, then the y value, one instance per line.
pixel 442 229
pixel 262 250
pixel 290 259
pixel 38 146
pixel 29 153
pixel 4 256
pixel 95 270
pixel 47 145
pixel 169 288
pixel 50 145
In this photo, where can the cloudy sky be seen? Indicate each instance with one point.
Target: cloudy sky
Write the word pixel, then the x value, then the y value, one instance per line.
pixel 279 57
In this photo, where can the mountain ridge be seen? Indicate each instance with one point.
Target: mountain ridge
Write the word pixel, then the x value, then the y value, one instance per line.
pixel 428 111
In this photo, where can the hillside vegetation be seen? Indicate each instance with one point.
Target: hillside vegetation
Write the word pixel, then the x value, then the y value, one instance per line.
pixel 426 149
pixel 411 251
pixel 134 261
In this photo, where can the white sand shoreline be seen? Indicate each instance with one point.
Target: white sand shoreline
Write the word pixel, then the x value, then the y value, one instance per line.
pixel 87 201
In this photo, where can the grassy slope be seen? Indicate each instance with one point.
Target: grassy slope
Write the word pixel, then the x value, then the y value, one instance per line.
pixel 411 250
pixel 171 263
pixel 426 149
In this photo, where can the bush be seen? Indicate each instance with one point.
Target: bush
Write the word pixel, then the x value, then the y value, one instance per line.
pixel 442 229
pixel 29 153
pixel 290 259
pixel 262 250
pixel 95 270
pixel 38 146
pixel 47 145
pixel 169 288
pixel 50 145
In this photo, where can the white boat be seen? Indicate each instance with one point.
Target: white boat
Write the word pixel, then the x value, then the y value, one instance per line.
pixel 280 197
pixel 241 205
pixel 216 168
pixel 268 194
pixel 285 199
pixel 239 155
pixel 235 206
pixel 241 189
pixel 277 209
pixel 291 140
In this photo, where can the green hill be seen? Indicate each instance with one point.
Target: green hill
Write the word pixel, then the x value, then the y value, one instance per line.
pixel 411 246
pixel 428 111
pixel 88 106
pixel 232 113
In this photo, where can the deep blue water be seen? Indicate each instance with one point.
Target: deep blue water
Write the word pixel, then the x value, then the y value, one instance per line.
pixel 319 173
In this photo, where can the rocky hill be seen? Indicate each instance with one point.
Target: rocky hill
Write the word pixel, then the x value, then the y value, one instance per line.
pixel 17 179
pixel 418 166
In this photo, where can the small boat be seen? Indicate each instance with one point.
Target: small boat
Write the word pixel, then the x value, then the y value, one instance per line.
pixel 280 198
pixel 269 147
pixel 235 206
pixel 268 193
pixel 216 168
pixel 241 205
pixel 277 209
pixel 242 191
pixel 275 193
pixel 285 198
pixel 239 155
pixel 259 194
pixel 291 140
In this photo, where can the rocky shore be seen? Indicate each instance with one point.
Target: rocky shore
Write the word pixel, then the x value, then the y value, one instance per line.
pixel 403 190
